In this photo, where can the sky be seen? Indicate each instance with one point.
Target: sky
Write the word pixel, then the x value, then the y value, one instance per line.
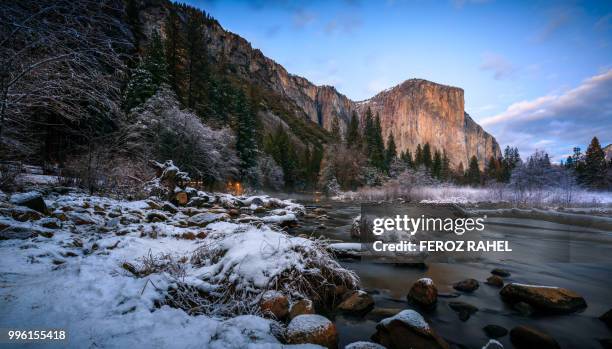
pixel 536 74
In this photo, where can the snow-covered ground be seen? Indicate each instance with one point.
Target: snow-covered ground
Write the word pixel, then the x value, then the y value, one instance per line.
pixel 142 274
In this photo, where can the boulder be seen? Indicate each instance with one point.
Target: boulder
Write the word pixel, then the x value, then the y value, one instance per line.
pixel 357 302
pixel 495 280
pixel 301 307
pixel 153 205
pixel 198 201
pixel 407 329
pixel 543 298
pixel 32 200
pixel 364 345
pixel 80 218
pixel 467 285
pixel 312 329
pixel 22 214
pixel 523 308
pixel 524 337
pixel 204 219
pixel 500 272
pixel 463 309
pixel 275 304
pixel 423 292
pixel 156 217
pixel 607 318
pixel 495 331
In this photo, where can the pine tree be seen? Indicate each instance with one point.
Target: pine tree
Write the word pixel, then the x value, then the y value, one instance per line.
pixel 406 157
pixel 436 165
pixel 139 88
pixel 280 147
pixel 427 155
pixel 155 60
pixel 595 167
pixel 173 46
pixel 245 132
pixel 390 152
pixel 368 133
pixel 378 157
pixel 196 69
pixel 473 174
pixel 418 156
pixel 445 171
pixel 353 135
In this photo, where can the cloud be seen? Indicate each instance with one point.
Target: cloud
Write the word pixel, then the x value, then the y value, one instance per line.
pixel 557 20
pixel 347 24
pixel 302 18
pixel 501 67
pixel 557 122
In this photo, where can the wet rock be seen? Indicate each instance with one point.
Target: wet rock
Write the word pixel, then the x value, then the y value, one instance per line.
pixel 357 302
pixel 203 219
pixel 495 331
pixel 257 202
pixel 500 272
pixel 495 280
pixel 423 292
pixel 274 303
pixel 364 345
pixel 319 211
pixel 607 318
pixel 467 285
pixel 523 308
pixel 153 205
pixel 312 329
pixel 464 310
pixel 407 329
pixel 301 307
pixel 234 212
pixel 543 298
pixel 168 207
pixel 524 337
pixel 32 200
pixel 493 344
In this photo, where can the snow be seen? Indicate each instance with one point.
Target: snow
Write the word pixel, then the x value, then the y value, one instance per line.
pixel 410 318
pixel 426 281
pixel 534 286
pixel 307 323
pixel 288 217
pixel 493 344
pixel 345 246
pixel 364 345
pixel 75 280
pixel 20 198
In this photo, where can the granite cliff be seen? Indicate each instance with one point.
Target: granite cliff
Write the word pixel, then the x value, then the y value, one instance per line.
pixel 416 111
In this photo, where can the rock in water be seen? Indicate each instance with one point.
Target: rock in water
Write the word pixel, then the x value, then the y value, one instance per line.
pixel 543 298
pixel 468 285
pixel 301 307
pixel 523 308
pixel 357 302
pixel 524 337
pixel 423 292
pixel 465 310
pixel 495 331
pixel 500 272
pixel 407 329
pixel 203 219
pixel 607 318
pixel 495 280
pixel 313 329
pixel 275 304
pixel 32 200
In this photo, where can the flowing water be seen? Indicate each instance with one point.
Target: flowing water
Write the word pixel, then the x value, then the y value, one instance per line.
pixel 389 284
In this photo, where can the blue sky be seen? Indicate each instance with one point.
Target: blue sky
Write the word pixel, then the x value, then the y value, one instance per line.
pixel 536 74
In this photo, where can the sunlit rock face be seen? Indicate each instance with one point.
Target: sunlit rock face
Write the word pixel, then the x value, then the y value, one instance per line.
pixel 420 111
pixel 416 111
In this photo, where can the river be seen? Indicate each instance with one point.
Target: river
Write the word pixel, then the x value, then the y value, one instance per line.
pixel 389 284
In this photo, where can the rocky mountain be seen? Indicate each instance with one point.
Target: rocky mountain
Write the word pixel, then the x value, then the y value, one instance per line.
pixel 416 111
pixel 608 151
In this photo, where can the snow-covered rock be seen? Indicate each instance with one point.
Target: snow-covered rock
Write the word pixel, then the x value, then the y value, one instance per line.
pixel 312 328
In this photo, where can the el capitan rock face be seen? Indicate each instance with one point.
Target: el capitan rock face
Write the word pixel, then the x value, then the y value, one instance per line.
pixel 420 111
pixel 416 111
